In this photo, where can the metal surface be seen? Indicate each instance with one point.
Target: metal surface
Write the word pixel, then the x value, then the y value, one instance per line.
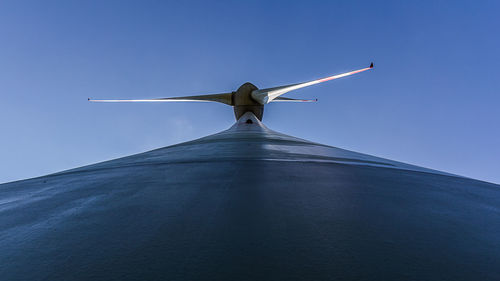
pixel 249 204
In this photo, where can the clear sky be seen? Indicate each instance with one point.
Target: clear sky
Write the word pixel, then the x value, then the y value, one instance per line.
pixel 432 99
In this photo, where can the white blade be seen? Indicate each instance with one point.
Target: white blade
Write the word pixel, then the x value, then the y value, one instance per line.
pixel 267 95
pixel 225 98
pixel 148 100
pixel 284 99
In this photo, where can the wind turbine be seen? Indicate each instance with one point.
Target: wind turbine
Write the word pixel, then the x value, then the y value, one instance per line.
pixel 248 98
pixel 249 203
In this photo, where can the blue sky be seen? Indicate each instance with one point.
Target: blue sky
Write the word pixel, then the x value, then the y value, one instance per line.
pixel 432 99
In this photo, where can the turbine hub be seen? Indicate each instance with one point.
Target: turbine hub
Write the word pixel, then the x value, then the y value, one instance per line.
pixel 243 102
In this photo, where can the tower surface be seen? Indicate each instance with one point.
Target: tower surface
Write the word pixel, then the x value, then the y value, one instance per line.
pixel 250 204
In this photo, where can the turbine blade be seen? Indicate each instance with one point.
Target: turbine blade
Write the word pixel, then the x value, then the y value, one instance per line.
pixel 285 99
pixel 225 98
pixel 264 96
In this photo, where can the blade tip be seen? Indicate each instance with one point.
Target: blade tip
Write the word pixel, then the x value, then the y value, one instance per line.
pixel 371 65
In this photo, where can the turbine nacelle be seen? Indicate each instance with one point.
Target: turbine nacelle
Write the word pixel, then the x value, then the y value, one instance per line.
pixel 248 98
pixel 243 101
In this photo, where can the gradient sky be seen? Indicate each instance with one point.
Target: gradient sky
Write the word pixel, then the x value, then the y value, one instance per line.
pixel 432 99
